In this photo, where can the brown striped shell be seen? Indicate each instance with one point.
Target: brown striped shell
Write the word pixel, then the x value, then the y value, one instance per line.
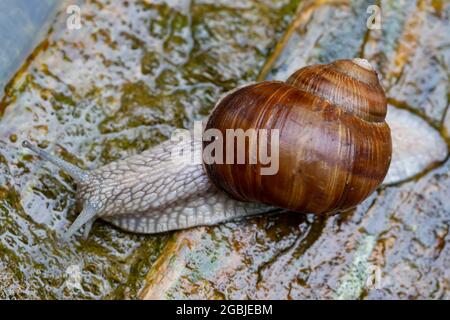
pixel 334 143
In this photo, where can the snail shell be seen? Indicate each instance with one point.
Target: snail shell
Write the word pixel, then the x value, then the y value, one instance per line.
pixel 335 146
pixel 334 150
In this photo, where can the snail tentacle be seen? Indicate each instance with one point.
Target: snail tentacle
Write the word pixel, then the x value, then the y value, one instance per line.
pixel 86 218
pixel 75 172
pixel 87 228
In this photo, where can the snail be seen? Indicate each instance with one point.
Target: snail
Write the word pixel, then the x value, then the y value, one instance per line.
pixel 334 150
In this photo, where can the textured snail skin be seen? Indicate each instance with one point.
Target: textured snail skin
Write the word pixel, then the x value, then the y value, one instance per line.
pixel 344 155
pixel 150 192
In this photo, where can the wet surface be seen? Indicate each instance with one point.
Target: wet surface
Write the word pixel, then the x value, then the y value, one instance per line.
pixel 132 73
pixel 137 70
pixel 412 55
pixel 403 231
pixel 416 146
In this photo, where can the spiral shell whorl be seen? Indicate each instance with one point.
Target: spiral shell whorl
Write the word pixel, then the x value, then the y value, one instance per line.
pixel 349 84
pixel 334 147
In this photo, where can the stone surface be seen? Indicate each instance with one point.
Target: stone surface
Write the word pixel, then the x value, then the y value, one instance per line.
pixel 392 246
pixel 412 54
pixel 416 146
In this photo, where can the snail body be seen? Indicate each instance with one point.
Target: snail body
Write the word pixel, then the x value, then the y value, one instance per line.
pixel 334 150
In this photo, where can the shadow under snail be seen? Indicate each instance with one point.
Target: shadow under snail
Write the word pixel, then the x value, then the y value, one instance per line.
pixel 334 151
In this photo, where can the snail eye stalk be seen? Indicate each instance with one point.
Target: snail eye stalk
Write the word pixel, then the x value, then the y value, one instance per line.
pixel 75 172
